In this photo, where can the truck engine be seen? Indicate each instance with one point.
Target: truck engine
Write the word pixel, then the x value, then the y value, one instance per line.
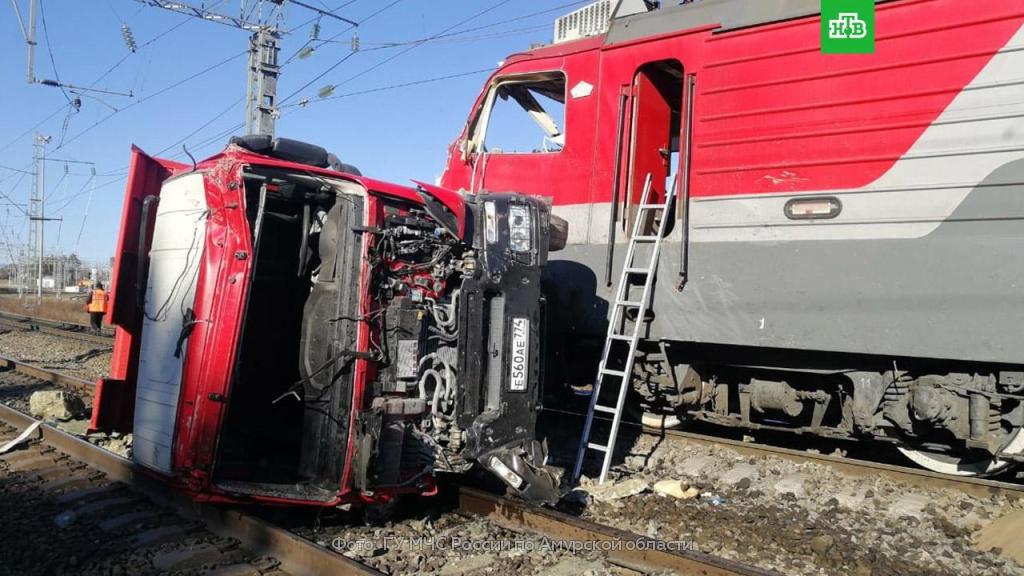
pixel 450 331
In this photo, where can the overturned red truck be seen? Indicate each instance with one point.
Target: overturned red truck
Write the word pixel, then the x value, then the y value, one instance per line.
pixel 291 332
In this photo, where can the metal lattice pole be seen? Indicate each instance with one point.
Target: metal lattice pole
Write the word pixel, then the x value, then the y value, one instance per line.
pixel 261 108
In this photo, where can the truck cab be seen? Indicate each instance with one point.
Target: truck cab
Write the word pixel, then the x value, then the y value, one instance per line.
pixel 289 331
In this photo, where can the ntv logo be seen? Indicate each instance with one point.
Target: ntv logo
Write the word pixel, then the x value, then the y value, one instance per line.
pixel 848 26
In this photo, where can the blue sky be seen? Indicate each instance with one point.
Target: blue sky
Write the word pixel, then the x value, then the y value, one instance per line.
pixel 395 134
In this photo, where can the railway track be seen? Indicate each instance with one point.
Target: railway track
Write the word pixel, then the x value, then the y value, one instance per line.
pixel 56 327
pixel 980 487
pixel 853 466
pixel 138 522
pixel 625 549
pixel 106 513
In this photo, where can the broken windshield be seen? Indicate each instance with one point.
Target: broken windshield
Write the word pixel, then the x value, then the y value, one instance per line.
pixel 527 116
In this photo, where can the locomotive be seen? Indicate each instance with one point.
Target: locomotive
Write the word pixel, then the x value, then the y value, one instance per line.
pixel 844 256
pixel 291 332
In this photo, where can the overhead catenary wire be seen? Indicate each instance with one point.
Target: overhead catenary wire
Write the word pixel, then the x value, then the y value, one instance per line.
pixel 394 87
pixel 159 92
pixel 85 216
pixel 482 27
pixel 118 176
pixel 232 105
pixel 338 34
pixel 109 70
pixel 216 117
pixel 395 56
pixel 74 196
pixel 456 38
pixel 49 50
pixel 33 128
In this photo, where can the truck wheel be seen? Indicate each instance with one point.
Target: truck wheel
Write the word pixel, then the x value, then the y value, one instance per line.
pixel 338 166
pixel 558 233
pixel 380 513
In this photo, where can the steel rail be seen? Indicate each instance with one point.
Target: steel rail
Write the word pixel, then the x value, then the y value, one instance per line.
pixel 623 548
pixel 77 385
pixel 296 555
pixel 981 487
pixel 974 486
pixel 56 327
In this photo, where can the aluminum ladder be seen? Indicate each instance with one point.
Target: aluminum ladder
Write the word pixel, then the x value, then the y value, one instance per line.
pixel 619 330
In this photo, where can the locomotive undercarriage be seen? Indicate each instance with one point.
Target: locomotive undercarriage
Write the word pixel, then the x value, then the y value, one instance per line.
pixel 954 419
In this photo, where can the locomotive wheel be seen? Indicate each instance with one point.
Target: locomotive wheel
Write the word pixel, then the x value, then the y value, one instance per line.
pixel 966 465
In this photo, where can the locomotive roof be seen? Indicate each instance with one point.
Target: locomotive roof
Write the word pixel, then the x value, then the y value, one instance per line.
pixel 731 14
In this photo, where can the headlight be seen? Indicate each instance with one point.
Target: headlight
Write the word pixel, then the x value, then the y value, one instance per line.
pixel 520 228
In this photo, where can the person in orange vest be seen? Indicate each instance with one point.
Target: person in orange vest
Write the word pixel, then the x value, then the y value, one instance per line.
pixel 96 306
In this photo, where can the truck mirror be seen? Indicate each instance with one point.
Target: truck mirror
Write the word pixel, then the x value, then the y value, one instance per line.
pixel 558 233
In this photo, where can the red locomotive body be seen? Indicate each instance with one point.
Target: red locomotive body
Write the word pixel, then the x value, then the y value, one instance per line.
pixel 292 333
pixel 845 256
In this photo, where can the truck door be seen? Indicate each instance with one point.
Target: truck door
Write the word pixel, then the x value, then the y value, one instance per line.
pixel 115 394
pixel 179 234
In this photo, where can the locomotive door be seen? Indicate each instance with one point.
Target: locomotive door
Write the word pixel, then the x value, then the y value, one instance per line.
pixel 654 113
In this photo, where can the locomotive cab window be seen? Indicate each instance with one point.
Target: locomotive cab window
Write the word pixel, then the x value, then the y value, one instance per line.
pixel 524 115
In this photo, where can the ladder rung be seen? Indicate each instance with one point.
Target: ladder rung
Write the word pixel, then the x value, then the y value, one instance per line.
pixel 636 271
pixel 629 303
pixel 621 337
pixel 653 206
pixel 608 409
pixel 646 238
pixel 594 446
pixel 609 372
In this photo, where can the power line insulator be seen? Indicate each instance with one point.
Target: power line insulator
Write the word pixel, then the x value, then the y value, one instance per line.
pixel 355 43
pixel 314 34
pixel 129 38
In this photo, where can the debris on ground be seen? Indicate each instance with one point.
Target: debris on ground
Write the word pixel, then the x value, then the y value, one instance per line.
pixel 59 405
pixel 610 491
pixel 675 489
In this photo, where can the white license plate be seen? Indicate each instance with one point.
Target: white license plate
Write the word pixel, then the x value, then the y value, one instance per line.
pixel 520 360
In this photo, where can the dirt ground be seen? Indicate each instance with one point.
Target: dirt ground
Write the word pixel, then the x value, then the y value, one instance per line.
pixel 69 308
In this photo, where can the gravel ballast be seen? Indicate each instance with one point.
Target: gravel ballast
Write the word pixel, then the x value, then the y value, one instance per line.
pixel 84 360
pixel 802 518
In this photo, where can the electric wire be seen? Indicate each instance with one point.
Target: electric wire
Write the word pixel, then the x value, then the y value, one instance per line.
pixel 456 38
pixel 33 128
pixel 218 116
pixel 76 195
pixel 391 87
pixel 398 54
pixel 111 69
pixel 118 175
pixel 159 92
pixel 340 61
pixel 49 50
pixel 486 26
